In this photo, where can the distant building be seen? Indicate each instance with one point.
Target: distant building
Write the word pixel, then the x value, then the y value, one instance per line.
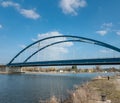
pixel 90 70
pixel 61 71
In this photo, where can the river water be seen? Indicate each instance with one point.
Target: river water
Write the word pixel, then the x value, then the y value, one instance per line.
pixel 31 88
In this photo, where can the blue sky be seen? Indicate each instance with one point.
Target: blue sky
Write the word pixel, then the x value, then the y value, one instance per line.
pixel 23 21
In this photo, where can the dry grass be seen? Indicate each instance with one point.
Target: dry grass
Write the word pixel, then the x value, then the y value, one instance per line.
pixel 83 94
pixel 51 100
pixel 107 87
pixel 91 92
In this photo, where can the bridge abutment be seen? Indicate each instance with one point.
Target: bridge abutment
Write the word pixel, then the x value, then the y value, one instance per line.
pixel 13 70
pixel 4 69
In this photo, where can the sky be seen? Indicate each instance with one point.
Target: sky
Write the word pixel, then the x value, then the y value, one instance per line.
pixel 24 21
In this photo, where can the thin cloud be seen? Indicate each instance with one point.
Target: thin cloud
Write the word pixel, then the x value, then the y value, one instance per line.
pixel 107 25
pixel 28 13
pixel 71 6
pixel 104 51
pixel 105 28
pixel 118 32
pixel 22 46
pixel 34 39
pixel 54 33
pixel 1 26
pixel 102 32
pixel 54 52
pixel 9 3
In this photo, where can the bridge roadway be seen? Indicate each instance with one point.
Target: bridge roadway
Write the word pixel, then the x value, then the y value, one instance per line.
pixel 101 61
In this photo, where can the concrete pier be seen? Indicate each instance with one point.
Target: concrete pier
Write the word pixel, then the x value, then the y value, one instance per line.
pixel 13 69
pixel 9 70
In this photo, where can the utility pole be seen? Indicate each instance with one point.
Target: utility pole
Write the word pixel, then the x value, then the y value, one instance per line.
pixel 38 52
pixel 38 55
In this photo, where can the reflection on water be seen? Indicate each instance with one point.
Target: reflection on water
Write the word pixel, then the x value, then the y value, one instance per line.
pixel 30 88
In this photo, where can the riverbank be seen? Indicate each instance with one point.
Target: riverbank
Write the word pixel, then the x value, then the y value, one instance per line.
pixel 95 91
pixel 11 72
pixel 91 92
pixel 106 88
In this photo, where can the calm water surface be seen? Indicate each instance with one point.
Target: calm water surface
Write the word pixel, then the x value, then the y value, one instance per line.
pixel 31 88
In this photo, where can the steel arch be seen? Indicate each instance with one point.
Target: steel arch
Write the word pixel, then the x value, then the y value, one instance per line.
pixel 49 46
pixel 81 39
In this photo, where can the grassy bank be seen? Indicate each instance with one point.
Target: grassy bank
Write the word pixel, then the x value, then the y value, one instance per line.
pixel 91 92
pixel 108 88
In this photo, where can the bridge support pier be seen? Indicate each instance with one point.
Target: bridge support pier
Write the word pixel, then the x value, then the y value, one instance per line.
pixel 13 70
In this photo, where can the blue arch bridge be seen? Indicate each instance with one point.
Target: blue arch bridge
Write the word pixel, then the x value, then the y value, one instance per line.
pixel 14 66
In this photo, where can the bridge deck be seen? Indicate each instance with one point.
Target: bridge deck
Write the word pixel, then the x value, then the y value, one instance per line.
pixel 102 61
